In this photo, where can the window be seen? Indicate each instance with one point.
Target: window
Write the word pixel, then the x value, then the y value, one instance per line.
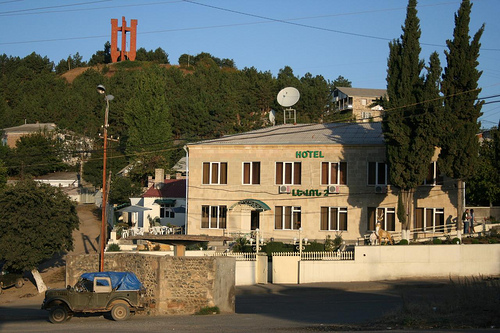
pixel 363 101
pixel 377 173
pixel 213 217
pixel 214 173
pixel 433 175
pixel 167 211
pixel 251 173
pixel 287 218
pixel 429 219
pixel 288 173
pixel 333 218
pixel 366 115
pixel 388 216
pixel 334 173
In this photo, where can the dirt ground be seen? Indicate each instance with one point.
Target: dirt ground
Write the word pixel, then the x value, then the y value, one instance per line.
pixel 86 240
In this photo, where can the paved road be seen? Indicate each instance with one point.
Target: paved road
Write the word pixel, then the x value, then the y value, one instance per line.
pixel 260 308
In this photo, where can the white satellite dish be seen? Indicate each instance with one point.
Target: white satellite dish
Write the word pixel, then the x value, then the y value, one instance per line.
pixel 272 117
pixel 288 96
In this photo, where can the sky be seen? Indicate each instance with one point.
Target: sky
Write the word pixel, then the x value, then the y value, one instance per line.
pixel 321 37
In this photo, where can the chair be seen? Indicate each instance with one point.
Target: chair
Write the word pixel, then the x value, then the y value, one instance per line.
pixel 140 231
pixel 124 233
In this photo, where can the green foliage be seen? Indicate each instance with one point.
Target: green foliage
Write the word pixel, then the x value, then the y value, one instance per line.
pixel 122 189
pixel 272 247
pixel 437 241
pixel 314 247
pixel 403 242
pixel 197 246
pixel 3 175
pixel 401 211
pixel 329 246
pixel 113 248
pixel 208 310
pixel 37 222
pixel 456 240
pixel 338 241
pixel 240 244
pixel 462 107
pixel 36 154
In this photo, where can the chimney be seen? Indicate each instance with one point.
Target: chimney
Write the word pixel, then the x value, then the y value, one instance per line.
pixel 159 176
pixel 150 181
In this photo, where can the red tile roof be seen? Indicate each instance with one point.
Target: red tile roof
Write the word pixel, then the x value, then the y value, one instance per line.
pixel 171 188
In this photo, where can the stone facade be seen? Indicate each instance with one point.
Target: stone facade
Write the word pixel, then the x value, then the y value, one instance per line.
pixel 356 197
pixel 174 285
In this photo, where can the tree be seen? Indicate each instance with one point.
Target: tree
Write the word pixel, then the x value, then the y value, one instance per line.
pixel 409 121
pixel 148 118
pixel 37 221
pixel 101 57
pixel 37 154
pixel 122 189
pixel 341 81
pixel 459 143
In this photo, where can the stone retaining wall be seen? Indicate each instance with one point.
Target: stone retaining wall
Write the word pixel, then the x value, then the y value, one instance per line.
pixel 174 285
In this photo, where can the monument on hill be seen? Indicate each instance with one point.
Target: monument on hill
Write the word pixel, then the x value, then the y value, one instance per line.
pixel 123 54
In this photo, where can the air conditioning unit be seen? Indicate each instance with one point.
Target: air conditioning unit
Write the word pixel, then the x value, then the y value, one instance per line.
pixel 284 189
pixel 333 189
pixel 380 189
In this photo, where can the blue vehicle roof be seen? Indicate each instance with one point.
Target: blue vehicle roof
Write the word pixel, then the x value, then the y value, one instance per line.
pixel 119 280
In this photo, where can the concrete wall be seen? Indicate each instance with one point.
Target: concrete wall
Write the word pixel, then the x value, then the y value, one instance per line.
pixel 175 285
pixel 375 263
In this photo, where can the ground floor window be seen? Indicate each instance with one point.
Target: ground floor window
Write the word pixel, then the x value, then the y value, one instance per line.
pixel 429 219
pixel 166 211
pixel 287 218
pixel 333 218
pixel 213 217
pixel 387 216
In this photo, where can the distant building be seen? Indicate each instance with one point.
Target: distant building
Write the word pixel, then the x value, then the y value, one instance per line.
pixel 12 134
pixel 359 103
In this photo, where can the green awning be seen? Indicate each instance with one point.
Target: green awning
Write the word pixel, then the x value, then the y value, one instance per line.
pixel 257 204
pixel 165 201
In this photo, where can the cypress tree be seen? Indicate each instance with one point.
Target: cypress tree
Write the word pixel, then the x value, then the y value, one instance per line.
pixel 459 143
pixel 409 121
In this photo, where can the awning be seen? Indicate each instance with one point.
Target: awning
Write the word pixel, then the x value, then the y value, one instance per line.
pixel 257 204
pixel 133 209
pixel 165 201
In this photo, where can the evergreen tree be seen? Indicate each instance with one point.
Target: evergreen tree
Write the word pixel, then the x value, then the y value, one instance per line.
pixel 407 122
pixel 459 143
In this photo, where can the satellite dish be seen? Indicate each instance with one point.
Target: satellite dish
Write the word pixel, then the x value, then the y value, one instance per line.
pixel 288 96
pixel 272 117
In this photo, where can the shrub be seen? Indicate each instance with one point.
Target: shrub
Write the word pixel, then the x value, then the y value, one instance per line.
pixel 456 240
pixel 207 310
pixel 315 247
pixel 403 242
pixel 271 247
pixel 437 241
pixel 475 241
pixel 114 248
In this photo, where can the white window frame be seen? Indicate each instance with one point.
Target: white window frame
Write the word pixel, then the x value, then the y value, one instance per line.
pixel 210 173
pixel 251 164
pixel 377 181
pixel 435 175
pixel 330 173
pixel 283 175
pixel 210 207
pixel 340 210
pixel 168 213
pixel 435 212
pixel 294 210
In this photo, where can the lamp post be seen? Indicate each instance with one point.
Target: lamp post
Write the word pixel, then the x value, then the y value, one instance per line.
pixel 101 90
pixel 302 243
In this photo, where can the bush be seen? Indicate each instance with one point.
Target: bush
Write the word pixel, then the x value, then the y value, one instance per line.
pixel 271 247
pixel 207 310
pixel 314 247
pixel 114 248
pixel 456 240
pixel 403 242
pixel 475 241
pixel 437 241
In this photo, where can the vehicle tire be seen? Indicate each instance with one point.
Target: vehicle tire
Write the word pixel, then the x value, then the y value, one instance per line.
pixel 58 314
pixel 19 283
pixel 120 311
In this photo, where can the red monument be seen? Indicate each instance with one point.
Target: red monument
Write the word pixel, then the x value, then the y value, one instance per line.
pixel 130 55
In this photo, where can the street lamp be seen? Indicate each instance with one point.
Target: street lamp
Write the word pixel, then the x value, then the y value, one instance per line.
pixel 301 243
pixel 101 90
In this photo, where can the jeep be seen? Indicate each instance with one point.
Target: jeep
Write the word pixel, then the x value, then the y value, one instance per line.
pixel 117 293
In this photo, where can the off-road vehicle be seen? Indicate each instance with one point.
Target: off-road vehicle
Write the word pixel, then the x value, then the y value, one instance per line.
pixel 118 293
pixel 8 279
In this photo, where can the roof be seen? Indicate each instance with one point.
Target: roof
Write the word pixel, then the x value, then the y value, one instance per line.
pixel 30 128
pixel 306 134
pixel 170 188
pixel 362 92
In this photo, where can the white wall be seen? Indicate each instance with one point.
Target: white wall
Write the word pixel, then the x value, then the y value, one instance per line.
pixel 375 263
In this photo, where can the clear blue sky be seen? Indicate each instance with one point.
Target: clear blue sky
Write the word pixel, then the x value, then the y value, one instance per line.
pixel 322 37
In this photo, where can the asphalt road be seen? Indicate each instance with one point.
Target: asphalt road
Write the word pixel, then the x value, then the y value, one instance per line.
pixel 259 308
